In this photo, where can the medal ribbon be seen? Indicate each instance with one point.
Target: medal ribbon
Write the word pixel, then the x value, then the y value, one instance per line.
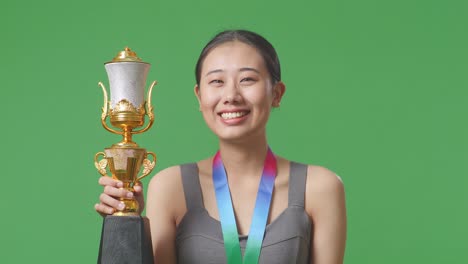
pixel 260 215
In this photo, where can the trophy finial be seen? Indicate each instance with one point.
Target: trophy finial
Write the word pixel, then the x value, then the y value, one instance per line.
pixel 127 55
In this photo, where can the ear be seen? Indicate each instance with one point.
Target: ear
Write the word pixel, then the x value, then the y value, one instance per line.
pixel 278 91
pixel 196 90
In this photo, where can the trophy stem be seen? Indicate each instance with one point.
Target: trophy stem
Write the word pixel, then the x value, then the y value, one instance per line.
pixel 127 136
pixel 127 140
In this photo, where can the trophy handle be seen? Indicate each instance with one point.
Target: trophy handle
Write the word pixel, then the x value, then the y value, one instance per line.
pixel 149 111
pixel 105 111
pixel 102 164
pixel 148 165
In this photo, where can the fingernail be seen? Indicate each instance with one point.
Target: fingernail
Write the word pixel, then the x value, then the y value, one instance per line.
pixel 121 206
pixel 120 184
pixel 129 195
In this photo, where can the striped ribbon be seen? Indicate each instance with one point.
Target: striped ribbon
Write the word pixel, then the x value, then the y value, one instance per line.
pixel 260 215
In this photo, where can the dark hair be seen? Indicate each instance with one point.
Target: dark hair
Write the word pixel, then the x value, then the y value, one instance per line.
pixel 266 50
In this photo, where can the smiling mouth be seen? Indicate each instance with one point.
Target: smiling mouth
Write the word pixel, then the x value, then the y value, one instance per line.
pixel 232 115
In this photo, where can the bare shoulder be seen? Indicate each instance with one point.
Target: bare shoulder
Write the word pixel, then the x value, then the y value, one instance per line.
pixel 168 177
pixel 325 204
pixel 166 195
pixel 165 204
pixel 323 189
pixel 321 179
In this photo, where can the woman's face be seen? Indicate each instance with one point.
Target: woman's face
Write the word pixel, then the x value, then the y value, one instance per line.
pixel 235 91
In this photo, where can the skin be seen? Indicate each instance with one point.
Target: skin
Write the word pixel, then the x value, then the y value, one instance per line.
pixel 234 77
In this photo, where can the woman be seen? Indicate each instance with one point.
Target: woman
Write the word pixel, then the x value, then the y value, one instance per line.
pixel 194 209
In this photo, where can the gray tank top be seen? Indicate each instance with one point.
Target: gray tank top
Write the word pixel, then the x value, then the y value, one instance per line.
pixel 199 239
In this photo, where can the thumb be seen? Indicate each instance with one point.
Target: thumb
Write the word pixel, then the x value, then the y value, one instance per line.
pixel 138 187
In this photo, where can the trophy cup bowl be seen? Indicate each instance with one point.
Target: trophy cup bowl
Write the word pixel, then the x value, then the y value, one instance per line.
pixel 126 110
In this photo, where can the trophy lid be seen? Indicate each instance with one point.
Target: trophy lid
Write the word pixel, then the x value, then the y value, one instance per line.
pixel 127 78
pixel 127 55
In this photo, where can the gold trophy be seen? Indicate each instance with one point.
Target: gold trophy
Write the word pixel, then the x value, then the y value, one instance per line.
pixel 126 111
pixel 125 235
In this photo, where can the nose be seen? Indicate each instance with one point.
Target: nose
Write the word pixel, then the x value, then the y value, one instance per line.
pixel 232 94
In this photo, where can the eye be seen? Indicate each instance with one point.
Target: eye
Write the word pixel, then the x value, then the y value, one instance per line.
pixel 216 82
pixel 248 80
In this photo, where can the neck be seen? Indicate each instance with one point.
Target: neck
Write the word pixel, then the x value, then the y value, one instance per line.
pixel 244 159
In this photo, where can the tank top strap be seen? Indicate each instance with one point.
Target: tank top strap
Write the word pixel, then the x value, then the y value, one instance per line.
pixel 191 184
pixel 297 184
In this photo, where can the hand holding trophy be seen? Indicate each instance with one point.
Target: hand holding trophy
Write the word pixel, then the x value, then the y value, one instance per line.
pixel 125 235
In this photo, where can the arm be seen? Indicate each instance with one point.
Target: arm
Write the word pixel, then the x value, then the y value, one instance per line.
pixel 325 204
pixel 165 200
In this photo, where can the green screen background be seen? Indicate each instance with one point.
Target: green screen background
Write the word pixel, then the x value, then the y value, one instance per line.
pixel 376 91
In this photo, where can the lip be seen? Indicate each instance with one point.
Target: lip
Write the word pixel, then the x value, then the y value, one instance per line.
pixel 234 121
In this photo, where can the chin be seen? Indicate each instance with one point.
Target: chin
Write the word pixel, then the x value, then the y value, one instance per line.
pixel 237 135
pixel 231 136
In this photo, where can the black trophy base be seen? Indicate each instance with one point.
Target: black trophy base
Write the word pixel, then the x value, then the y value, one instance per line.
pixel 125 240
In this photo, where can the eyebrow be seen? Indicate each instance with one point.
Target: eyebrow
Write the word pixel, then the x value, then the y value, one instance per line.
pixel 241 70
pixel 213 71
pixel 249 69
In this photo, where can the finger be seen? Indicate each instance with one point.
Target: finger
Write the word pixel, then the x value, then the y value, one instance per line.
pixel 111 202
pixel 120 193
pixel 103 209
pixel 138 187
pixel 108 181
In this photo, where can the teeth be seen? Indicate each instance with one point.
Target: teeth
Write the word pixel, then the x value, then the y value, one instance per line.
pixel 233 115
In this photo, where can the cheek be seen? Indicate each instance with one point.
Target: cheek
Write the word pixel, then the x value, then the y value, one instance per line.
pixel 260 97
pixel 208 99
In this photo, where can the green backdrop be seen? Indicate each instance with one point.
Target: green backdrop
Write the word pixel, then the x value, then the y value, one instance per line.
pixel 376 91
